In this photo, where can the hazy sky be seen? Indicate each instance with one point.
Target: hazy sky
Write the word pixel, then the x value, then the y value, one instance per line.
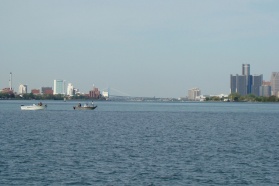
pixel 156 48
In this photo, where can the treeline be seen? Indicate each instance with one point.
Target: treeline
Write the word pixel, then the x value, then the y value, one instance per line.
pixel 30 96
pixel 247 98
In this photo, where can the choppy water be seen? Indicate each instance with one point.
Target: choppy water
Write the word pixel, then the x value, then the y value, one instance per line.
pixel 123 143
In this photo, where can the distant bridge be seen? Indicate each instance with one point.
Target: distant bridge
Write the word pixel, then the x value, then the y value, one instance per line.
pixel 116 93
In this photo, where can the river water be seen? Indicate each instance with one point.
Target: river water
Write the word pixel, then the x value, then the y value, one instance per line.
pixel 140 143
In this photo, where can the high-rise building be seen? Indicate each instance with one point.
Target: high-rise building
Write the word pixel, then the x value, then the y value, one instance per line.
pixel 246 84
pixel 246 69
pixel 239 84
pixel 257 81
pixel 59 87
pixel 265 90
pixel 274 81
pixel 246 72
pixel 70 89
pixel 233 84
pixel 193 94
pixel 22 89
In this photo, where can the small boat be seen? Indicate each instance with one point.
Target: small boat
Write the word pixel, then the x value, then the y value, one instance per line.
pixel 39 106
pixel 85 107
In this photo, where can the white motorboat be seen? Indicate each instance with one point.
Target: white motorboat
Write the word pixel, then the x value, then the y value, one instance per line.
pixel 39 106
pixel 85 107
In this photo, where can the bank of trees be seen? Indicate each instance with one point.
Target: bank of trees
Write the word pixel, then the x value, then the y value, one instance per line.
pixel 30 96
pixel 7 95
pixel 250 98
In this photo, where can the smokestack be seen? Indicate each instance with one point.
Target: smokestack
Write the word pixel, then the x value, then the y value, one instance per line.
pixel 10 81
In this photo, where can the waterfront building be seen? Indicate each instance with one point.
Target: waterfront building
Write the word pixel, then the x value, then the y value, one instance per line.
pixel 35 91
pixel 7 90
pixel 265 90
pixel 76 91
pixel 105 94
pixel 274 83
pixel 246 73
pixel 233 84
pixel 239 84
pixel 95 93
pixel 246 84
pixel 70 89
pixel 257 81
pixel 59 87
pixel 246 69
pixel 193 94
pixel 47 90
pixel 22 89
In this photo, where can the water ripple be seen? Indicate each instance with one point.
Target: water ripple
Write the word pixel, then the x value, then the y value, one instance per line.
pixel 139 148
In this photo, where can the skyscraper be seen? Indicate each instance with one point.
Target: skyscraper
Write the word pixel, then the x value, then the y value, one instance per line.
pixel 239 84
pixel 246 84
pixel 59 87
pixel 246 73
pixel 246 69
pixel 257 81
pixel 274 83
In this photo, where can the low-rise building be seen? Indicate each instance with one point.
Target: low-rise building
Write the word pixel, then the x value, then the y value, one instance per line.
pixel 35 91
pixel 47 90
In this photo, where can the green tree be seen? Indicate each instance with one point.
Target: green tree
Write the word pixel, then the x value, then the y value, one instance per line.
pixel 234 96
pixel 272 99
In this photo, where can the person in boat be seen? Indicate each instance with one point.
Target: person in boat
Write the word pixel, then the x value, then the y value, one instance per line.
pixel 40 104
pixel 79 105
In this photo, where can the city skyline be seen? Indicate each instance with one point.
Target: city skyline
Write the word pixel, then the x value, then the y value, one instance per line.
pixel 143 48
pixel 249 84
pixel 246 83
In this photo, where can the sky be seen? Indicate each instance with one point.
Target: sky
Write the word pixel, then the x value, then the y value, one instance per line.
pixel 158 48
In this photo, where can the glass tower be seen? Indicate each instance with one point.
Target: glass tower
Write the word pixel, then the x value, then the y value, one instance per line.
pixel 246 69
pixel 246 84
pixel 257 81
pixel 59 87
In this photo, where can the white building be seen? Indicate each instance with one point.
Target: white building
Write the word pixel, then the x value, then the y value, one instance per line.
pixel 22 89
pixel 59 87
pixel 70 89
pixel 105 94
pixel 194 94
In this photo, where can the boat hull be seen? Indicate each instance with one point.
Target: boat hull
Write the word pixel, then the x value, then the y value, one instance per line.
pixel 85 108
pixel 32 107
